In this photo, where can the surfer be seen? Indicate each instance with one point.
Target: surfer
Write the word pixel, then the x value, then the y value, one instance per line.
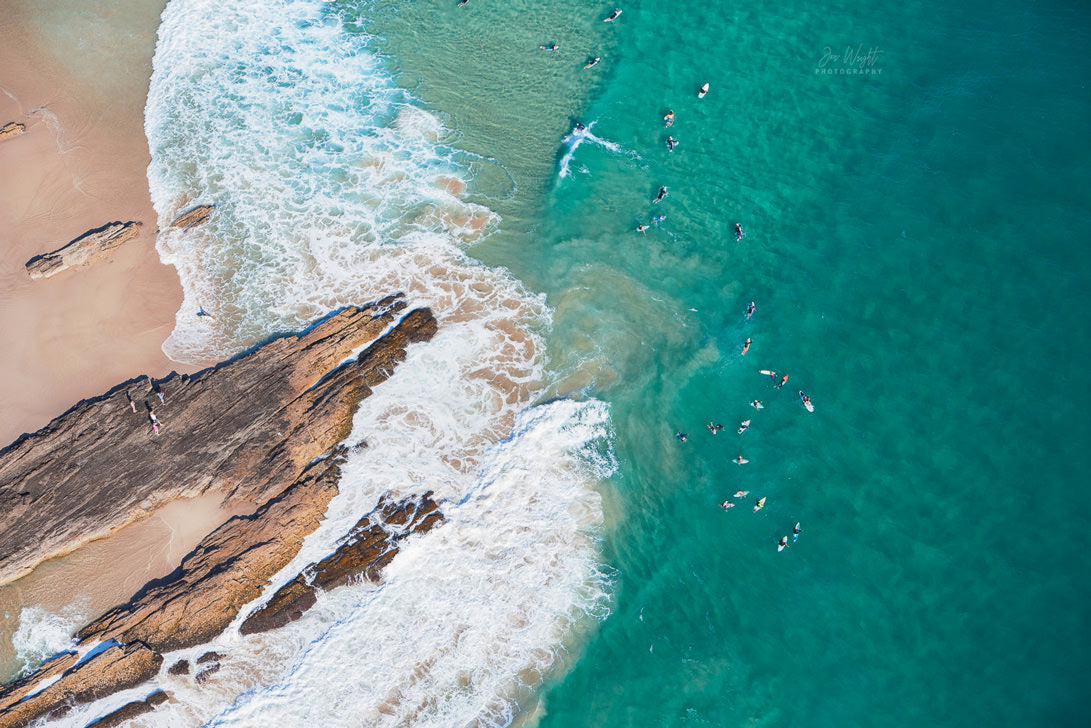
pixel 805 398
pixel 201 312
pixel 681 436
pixel 783 543
pixel 741 494
pixel 661 195
pixel 671 143
pixel 712 428
pixel 578 128
pixel 756 404
pixel 769 373
pixel 738 235
pixel 746 346
pixel 462 2
pixel 760 504
pixel 550 47
pixel 641 229
pixel 613 16
pixel 658 219
pixel 592 62
pixel 668 120
pixel 727 504
pixel 796 531
pixel 744 426
pixel 750 308
pixel 783 380
pixel 703 91
pixel 740 460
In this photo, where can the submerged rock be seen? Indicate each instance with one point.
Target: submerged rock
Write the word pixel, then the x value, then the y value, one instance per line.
pixel 89 247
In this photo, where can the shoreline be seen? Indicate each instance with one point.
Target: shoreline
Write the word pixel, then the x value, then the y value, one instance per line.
pixel 81 163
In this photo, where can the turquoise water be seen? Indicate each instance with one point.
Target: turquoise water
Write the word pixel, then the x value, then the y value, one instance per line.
pixel 915 244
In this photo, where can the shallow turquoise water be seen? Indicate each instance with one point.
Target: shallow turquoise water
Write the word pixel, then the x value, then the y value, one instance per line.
pixel 915 243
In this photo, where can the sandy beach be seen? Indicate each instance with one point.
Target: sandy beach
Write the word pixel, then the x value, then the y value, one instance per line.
pixel 80 164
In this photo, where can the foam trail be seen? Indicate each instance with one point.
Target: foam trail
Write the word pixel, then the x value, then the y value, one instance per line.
pixel 578 136
pixel 333 188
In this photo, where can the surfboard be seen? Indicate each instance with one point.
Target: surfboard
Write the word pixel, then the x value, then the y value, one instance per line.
pixel 702 92
pixel 782 545
pixel 806 401
pixel 767 373
pixel 809 406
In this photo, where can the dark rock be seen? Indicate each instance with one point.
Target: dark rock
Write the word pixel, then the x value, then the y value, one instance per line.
pixel 244 429
pixel 367 549
pixel 89 247
pixel 193 216
pixel 209 657
pixel 131 710
pixel 203 676
pixel 179 668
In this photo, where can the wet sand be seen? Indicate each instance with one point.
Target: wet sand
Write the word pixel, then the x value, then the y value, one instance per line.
pixel 103 574
pixel 77 78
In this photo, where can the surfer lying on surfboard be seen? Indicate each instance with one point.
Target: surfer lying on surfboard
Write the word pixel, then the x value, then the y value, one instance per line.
pixel 613 16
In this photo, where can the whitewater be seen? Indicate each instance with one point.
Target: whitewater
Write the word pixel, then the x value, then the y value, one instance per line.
pixel 334 187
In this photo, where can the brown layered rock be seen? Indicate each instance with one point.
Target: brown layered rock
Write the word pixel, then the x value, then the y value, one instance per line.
pixel 131 710
pixel 228 569
pixel 87 248
pixel 113 669
pixel 246 429
pixel 193 216
pixel 15 691
pixel 366 550
pixel 11 129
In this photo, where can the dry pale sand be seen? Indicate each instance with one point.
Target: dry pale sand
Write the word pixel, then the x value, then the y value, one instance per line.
pixel 76 74
pixel 81 164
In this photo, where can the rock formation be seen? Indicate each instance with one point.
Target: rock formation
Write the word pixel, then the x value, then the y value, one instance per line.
pixel 131 710
pixel 246 429
pixel 369 547
pixel 103 673
pixel 262 427
pixel 11 129
pixel 193 216
pixel 89 247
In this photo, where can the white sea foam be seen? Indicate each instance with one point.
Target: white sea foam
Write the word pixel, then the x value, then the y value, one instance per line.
pixel 334 187
pixel 579 136
pixel 42 632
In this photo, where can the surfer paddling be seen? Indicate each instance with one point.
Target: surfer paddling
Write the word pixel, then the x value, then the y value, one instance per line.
pixel 745 346
pixel 744 426
pixel 550 47
pixel 642 228
pixel 702 91
pixel 727 504
pixel 740 460
pixel 613 16
pixel 738 235
pixel 806 401
pixel 661 195
pixel 750 308
pixel 783 381
pixel 671 143
pixel 756 404
pixel 714 428
pixel 796 531
pixel 592 63
pixel 682 437
pixel 783 543
pixel 668 120
pixel 760 504
pixel 741 494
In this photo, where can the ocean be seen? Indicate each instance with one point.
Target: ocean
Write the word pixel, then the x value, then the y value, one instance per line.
pixel 910 179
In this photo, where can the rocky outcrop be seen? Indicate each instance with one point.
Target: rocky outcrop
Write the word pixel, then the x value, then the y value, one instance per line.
pixel 11 129
pixel 246 429
pixel 15 691
pixel 115 668
pixel 131 710
pixel 193 216
pixel 228 569
pixel 89 247
pixel 368 548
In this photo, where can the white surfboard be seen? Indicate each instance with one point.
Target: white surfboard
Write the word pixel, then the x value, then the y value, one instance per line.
pixel 702 92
